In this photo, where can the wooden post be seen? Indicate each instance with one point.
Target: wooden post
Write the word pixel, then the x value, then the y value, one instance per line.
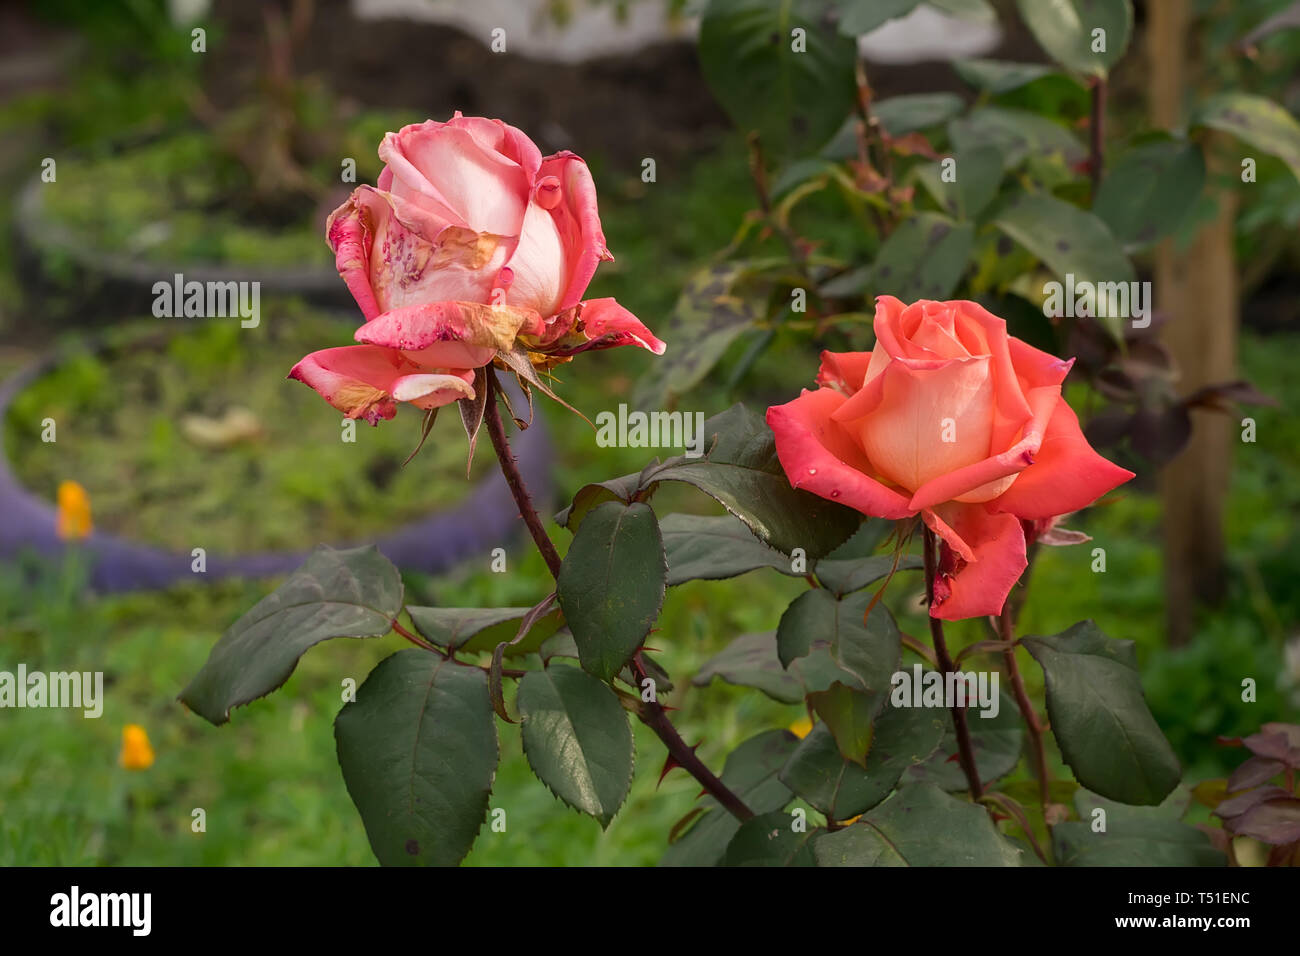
pixel 1198 287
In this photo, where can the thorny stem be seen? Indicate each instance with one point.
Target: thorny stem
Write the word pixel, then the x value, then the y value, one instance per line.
pixel 433 648
pixel 652 714
pixel 965 753
pixel 1097 129
pixel 417 641
pixel 510 469
pixel 1007 630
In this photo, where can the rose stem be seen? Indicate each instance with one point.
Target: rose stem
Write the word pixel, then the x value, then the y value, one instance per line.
pixel 1007 631
pixel 1097 129
pixel 510 469
pixel 965 753
pixel 651 713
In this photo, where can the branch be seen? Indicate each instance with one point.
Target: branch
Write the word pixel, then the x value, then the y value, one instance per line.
pixel 965 752
pixel 652 714
pixel 510 469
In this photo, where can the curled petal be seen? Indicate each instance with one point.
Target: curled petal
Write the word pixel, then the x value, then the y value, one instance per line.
pixel 982 557
pixel 820 456
pixel 350 230
pixel 577 222
pixel 844 371
pixel 1066 474
pixel 594 324
pixel 361 381
pixel 607 324
pixel 477 186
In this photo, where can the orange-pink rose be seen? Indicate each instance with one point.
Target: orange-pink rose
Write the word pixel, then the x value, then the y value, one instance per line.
pixel 471 243
pixel 951 418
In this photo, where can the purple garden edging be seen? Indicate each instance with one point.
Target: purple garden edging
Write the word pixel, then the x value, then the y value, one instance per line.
pixel 484 520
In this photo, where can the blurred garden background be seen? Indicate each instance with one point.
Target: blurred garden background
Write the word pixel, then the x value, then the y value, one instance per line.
pixel 184 433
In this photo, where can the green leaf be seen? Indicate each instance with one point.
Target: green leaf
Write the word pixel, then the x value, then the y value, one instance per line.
pixel 1148 192
pixel 1016 134
pixel 845 664
pixel 741 471
pixel 1099 717
pixel 1066 30
pixel 920 825
pixel 771 840
pixel 354 592
pixel 611 584
pixel 924 258
pixel 977 11
pixel 994 740
pixel 843 577
pixel 1255 120
pixel 473 629
pixel 867 651
pixel 1133 836
pixel 795 99
pixel 418 749
pixel 577 739
pixel 622 489
pixel 999 76
pixel 718 305
pixel 1069 241
pixel 713 548
pixel 901 115
pixel 850 715
pixel 750 772
pixel 750 661
pixel 862 16
pixel 841 789
pixel 977 175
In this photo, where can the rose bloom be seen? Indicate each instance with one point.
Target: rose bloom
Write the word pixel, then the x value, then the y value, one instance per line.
pixel 951 418
pixel 470 243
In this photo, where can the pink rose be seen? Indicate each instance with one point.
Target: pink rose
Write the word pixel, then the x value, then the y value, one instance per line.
pixel 951 418
pixel 470 243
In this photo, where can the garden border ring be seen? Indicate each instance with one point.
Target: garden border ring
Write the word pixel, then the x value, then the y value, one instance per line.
pixel 487 517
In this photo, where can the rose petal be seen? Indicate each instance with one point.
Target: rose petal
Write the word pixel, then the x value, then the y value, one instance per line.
pixel 987 479
pixel 448 167
pixel 920 404
pixel 844 371
pixel 1066 474
pixel 539 264
pixel 983 557
pixel 418 327
pixel 820 456
pixel 423 388
pixel 577 223
pixel 350 230
pixel 364 381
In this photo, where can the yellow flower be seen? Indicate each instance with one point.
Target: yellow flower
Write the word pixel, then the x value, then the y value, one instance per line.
pixel 74 512
pixel 801 727
pixel 137 754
